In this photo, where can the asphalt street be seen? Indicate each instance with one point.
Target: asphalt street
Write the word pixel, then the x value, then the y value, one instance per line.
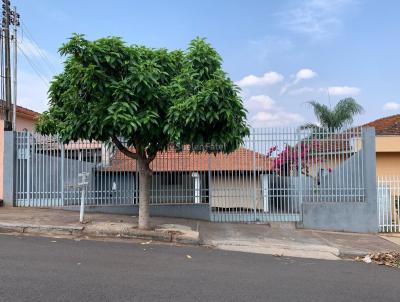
pixel 48 269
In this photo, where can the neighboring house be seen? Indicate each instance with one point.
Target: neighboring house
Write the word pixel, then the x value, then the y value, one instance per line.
pixel 387 142
pixel 184 177
pixel 26 119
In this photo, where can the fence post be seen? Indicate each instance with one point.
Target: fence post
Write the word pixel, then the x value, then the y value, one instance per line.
pixel 254 175
pixel 28 168
pixel 299 165
pixel 210 187
pixel 62 172
pixel 369 175
pixel 9 166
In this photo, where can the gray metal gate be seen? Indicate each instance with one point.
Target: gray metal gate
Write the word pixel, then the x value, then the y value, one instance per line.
pixel 266 179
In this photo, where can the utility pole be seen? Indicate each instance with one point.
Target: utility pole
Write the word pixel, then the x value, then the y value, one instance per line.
pixel 15 22
pixel 7 67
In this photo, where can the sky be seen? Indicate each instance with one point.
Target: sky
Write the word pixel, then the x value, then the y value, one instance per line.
pixel 281 53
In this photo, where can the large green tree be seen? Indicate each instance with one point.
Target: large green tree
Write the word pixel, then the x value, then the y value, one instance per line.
pixel 144 100
pixel 336 118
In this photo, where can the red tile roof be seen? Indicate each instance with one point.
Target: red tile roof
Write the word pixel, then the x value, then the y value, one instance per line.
pixel 239 160
pixel 22 111
pixel 389 125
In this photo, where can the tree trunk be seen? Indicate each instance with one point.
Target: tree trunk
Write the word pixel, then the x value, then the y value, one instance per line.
pixel 144 193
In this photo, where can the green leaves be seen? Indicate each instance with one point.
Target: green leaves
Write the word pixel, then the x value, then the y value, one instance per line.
pixel 340 116
pixel 153 98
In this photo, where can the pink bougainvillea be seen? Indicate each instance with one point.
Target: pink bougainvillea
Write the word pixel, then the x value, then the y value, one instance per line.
pixel 291 159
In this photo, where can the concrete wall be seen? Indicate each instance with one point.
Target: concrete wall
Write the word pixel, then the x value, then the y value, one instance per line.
pixel 8 167
pixel 112 188
pixel 349 216
pixel 47 180
pixel 345 183
pixel 190 211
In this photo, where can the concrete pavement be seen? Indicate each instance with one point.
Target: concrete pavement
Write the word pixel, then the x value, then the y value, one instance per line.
pixel 284 239
pixel 281 239
pixel 47 269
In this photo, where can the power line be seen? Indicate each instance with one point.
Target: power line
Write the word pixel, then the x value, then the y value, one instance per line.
pixel 39 50
pixel 35 56
pixel 34 67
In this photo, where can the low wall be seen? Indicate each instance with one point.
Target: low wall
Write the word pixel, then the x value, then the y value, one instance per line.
pixel 190 211
pixel 340 216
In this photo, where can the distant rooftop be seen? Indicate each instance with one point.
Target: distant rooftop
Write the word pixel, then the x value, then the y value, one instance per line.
pixel 389 125
pixel 21 111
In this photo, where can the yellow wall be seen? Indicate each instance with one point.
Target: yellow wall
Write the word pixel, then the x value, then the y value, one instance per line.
pixel 387 163
pixel 388 143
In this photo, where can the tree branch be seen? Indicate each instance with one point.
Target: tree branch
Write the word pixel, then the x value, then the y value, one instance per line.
pixel 151 158
pixel 123 149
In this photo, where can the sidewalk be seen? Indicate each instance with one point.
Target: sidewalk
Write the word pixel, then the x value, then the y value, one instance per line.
pixel 280 239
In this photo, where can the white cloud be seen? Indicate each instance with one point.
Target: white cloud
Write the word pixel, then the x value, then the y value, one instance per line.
pixel 305 74
pixel 302 74
pixel 276 119
pixel 391 106
pixel 317 18
pixel 264 112
pixel 343 90
pixel 269 78
pixel 257 102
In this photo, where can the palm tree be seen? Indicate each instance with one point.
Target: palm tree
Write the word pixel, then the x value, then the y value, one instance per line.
pixel 334 118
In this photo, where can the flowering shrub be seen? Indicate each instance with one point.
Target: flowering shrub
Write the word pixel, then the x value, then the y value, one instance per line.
pixel 301 157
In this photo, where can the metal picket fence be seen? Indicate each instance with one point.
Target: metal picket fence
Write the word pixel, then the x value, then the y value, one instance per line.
pixel 388 192
pixel 266 179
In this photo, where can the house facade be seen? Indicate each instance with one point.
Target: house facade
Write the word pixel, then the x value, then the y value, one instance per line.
pixel 387 143
pixel 184 177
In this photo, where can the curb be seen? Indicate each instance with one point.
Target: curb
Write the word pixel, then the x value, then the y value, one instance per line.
pixel 157 235
pixel 38 229
pixel 352 255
